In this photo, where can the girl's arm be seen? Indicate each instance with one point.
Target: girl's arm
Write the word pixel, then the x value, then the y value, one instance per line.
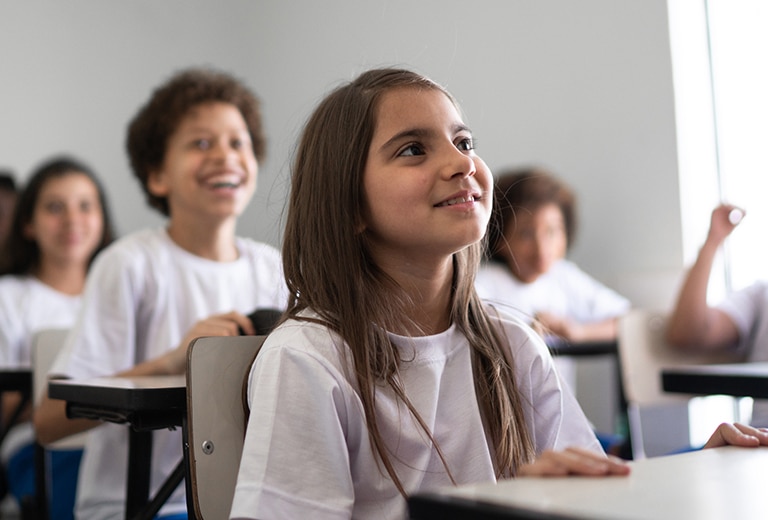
pixel 51 421
pixel 575 332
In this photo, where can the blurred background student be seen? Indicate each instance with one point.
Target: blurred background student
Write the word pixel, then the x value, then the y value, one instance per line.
pixel 739 322
pixel 60 223
pixel 532 227
pixel 527 272
pixel 8 194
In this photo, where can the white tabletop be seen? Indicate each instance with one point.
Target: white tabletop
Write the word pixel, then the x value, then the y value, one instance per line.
pixel 713 484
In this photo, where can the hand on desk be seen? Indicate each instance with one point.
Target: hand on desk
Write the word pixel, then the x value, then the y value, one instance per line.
pixel 574 461
pixel 737 434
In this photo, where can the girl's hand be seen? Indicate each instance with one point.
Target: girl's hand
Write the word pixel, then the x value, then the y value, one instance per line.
pixel 574 461
pixel 737 434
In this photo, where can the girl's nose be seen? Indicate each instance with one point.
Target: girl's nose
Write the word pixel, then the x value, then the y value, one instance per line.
pixel 460 164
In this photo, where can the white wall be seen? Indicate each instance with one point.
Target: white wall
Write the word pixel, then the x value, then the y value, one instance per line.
pixel 582 87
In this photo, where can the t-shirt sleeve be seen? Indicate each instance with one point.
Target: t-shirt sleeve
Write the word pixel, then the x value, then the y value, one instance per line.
pixel 746 308
pixel 103 339
pixel 293 467
pixel 555 418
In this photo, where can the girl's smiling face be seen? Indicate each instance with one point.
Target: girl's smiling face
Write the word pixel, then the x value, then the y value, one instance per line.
pixel 67 221
pixel 427 194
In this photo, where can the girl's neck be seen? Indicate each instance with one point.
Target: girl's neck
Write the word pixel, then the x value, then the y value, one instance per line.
pixel 66 278
pixel 214 242
pixel 430 293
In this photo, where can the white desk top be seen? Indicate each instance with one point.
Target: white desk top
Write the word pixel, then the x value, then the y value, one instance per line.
pixel 713 484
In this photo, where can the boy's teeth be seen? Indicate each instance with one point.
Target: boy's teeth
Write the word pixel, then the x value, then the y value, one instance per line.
pixel 224 184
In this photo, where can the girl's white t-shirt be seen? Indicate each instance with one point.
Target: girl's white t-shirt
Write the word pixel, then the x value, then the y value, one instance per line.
pixel 28 306
pixel 307 453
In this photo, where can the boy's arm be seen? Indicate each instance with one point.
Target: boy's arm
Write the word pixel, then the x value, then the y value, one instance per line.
pixel 175 361
pixel 693 323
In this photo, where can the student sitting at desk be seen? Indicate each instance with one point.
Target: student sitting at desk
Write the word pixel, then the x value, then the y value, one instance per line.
pixel 532 226
pixel 195 147
pixel 390 376
pixel 61 222
pixel 740 322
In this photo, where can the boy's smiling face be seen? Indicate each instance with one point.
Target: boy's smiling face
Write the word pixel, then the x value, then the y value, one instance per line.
pixel 209 170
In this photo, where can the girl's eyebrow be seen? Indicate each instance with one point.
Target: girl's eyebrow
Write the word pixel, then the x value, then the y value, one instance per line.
pixel 421 133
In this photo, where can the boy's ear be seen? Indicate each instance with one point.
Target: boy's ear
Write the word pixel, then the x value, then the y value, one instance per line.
pixel 156 183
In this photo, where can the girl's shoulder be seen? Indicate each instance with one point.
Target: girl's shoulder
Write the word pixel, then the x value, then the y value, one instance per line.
pixel 515 329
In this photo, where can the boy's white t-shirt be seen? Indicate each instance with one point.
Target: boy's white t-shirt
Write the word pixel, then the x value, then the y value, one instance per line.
pixel 27 306
pixel 748 309
pixel 307 453
pixel 143 294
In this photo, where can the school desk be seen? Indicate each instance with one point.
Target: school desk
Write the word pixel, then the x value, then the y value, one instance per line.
pixel 736 379
pixel 145 404
pixel 559 347
pixel 714 484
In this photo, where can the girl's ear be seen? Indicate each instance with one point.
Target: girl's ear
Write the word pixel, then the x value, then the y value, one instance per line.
pixel 156 183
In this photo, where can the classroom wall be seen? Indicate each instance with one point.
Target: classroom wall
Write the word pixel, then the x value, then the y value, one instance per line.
pixel 584 88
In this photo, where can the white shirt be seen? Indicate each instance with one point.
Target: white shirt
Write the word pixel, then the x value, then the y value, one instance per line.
pixel 27 306
pixel 142 296
pixel 748 309
pixel 564 290
pixel 307 453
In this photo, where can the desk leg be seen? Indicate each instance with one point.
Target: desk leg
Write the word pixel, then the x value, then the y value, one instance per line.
pixel 139 470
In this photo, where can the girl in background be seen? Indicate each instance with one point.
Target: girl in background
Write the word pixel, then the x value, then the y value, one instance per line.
pixel 60 223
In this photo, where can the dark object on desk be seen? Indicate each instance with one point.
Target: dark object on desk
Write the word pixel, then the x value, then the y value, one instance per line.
pixel 561 347
pixel 264 320
pixel 736 379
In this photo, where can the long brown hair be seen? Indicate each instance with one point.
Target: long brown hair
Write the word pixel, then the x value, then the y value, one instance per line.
pixel 329 269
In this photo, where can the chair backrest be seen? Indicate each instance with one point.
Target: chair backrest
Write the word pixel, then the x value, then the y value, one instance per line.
pixel 45 346
pixel 658 421
pixel 643 353
pixel 216 370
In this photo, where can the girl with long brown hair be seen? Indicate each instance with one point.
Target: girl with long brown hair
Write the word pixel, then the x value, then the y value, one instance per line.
pixel 388 375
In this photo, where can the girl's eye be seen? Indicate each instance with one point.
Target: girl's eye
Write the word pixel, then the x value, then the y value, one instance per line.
pixel 54 207
pixel 237 144
pixel 201 144
pixel 411 150
pixel 466 144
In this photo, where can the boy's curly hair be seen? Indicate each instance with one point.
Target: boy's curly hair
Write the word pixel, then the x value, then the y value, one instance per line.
pixel 155 122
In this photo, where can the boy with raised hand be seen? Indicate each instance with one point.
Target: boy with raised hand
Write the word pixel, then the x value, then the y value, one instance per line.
pixel 195 147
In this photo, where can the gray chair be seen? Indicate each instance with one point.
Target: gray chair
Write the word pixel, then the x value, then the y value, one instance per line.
pixel 658 421
pixel 217 368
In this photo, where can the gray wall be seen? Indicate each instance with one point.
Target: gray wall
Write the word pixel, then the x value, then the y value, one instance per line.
pixel 584 88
